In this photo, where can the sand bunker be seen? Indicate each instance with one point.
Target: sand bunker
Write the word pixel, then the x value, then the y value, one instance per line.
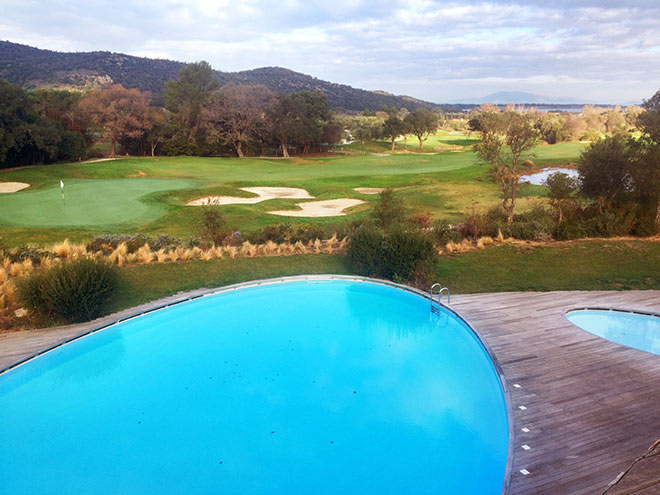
pixel 263 194
pixel 12 187
pixel 369 190
pixel 328 208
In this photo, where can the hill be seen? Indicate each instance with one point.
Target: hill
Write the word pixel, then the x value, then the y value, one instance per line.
pixel 519 98
pixel 34 68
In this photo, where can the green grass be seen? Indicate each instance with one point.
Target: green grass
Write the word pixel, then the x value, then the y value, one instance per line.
pixel 144 283
pixel 579 265
pixel 148 195
pixel 89 203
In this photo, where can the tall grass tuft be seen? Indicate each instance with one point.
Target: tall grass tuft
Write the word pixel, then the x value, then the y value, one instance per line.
pixel 145 255
pixel 271 248
pixel 63 249
pixel 162 255
pixel 118 256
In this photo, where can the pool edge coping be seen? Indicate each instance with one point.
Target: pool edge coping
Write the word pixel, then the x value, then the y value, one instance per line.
pixel 185 297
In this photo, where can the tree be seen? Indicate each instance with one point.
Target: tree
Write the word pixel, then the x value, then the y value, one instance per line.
pixel 367 129
pixel 561 190
pixel 159 126
pixel 393 127
pixel 118 113
pixel 505 140
pixel 234 113
pixel 312 113
pixel 59 106
pixel 187 96
pixel 421 123
pixel 27 137
pixel 647 177
pixel 333 133
pixel 605 170
pixel 281 117
pixel 649 120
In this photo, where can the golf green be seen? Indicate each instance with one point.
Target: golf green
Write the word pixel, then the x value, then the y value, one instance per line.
pixel 88 202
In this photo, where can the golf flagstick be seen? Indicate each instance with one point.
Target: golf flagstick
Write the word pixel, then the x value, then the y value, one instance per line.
pixel 62 189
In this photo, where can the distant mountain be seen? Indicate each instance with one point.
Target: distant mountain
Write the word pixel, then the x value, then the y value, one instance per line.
pixel 518 98
pixel 34 68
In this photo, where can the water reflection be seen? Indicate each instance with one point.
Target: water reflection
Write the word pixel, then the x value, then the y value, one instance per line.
pixel 539 177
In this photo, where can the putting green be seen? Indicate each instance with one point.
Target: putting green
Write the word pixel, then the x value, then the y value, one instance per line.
pixel 88 202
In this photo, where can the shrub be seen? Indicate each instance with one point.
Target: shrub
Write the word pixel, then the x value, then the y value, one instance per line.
pixel 473 225
pixel 213 226
pixel 400 255
pixel 443 232
pixel 278 232
pixel 421 220
pixel 366 251
pixel 408 256
pixel 76 291
pixel 107 243
pixel 389 210
pixel 285 232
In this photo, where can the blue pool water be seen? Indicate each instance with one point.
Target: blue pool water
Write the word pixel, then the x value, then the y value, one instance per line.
pixel 630 329
pixel 293 388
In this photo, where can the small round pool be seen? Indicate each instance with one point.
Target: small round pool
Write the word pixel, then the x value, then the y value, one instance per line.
pixel 325 387
pixel 636 330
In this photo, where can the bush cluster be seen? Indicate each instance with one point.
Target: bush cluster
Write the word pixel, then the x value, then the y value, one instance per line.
pixel 23 253
pixel 76 291
pixel 399 255
pixel 285 232
pixel 107 243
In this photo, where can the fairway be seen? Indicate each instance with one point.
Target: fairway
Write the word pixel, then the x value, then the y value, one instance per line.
pixel 89 203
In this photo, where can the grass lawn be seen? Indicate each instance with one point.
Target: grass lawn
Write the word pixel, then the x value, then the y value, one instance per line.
pixel 95 203
pixel 577 265
pixel 148 195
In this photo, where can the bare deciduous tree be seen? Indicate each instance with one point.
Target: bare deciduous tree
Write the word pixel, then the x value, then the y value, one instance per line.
pixel 234 113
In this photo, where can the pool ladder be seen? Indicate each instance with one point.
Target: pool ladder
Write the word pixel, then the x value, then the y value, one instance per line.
pixel 436 303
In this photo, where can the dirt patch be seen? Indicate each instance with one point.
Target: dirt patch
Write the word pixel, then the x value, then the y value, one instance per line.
pixel 328 208
pixel 263 194
pixel 12 187
pixel 369 190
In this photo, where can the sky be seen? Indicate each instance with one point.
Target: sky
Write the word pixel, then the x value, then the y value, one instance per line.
pixel 602 51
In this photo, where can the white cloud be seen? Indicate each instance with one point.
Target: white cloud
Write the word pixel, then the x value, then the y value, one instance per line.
pixel 606 49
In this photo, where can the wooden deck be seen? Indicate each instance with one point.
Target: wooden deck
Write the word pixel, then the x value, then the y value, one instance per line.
pixel 591 406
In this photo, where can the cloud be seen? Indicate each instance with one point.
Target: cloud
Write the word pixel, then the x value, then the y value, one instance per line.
pixel 605 50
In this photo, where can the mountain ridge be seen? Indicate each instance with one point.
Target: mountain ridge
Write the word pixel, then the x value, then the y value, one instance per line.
pixel 520 97
pixel 35 68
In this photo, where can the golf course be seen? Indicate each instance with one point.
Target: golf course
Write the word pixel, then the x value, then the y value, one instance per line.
pixel 149 195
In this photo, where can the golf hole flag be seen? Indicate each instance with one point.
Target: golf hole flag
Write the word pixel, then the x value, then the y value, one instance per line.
pixel 62 189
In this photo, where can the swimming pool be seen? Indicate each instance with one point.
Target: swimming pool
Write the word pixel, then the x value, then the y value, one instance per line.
pixel 326 386
pixel 636 330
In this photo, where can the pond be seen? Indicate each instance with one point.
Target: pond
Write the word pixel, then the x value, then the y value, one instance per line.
pixel 539 178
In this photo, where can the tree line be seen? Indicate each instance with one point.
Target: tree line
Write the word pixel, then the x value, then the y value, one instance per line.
pixel 618 187
pixel 198 118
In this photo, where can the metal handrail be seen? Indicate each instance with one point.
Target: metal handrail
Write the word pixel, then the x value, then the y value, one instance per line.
pixel 440 292
pixel 448 294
